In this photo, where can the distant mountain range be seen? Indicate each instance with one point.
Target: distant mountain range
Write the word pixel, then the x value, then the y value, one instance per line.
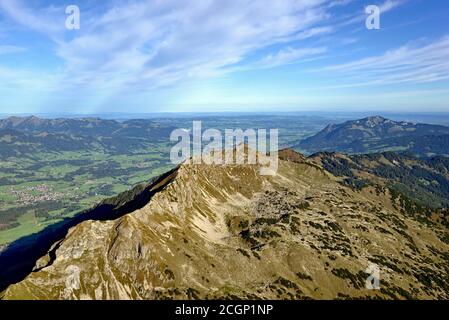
pixel 25 135
pixel 378 134
pixel 14 143
pixel 85 126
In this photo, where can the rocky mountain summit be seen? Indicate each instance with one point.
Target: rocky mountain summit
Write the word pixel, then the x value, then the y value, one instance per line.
pixel 211 231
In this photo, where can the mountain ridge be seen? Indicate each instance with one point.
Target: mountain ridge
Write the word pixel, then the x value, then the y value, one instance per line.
pixel 227 232
pixel 88 126
pixel 19 258
pixel 378 134
pixel 23 136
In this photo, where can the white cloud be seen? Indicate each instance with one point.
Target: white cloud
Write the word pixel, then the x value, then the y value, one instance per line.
pixel 6 49
pixel 418 63
pixel 390 4
pixel 360 16
pixel 287 56
pixel 36 19
pixel 338 3
pixel 157 43
pixel 149 44
pixel 314 32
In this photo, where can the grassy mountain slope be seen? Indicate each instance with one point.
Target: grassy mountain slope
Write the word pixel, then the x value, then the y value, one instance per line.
pixel 228 232
pixel 426 181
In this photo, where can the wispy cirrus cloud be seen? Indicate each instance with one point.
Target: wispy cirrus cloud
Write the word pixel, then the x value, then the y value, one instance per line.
pixel 7 49
pixel 357 17
pixel 145 46
pixel 35 18
pixel 287 56
pixel 156 43
pixel 170 41
pixel 413 63
pixel 390 4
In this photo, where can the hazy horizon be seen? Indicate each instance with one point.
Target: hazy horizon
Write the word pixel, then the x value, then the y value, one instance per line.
pixel 441 118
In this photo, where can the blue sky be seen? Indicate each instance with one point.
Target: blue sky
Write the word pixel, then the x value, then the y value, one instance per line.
pixel 212 55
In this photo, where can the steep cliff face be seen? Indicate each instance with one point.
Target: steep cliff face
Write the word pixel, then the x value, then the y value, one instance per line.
pixel 228 232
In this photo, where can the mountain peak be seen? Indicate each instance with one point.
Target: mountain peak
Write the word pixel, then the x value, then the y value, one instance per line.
pixel 274 237
pixel 369 134
pixel 375 120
